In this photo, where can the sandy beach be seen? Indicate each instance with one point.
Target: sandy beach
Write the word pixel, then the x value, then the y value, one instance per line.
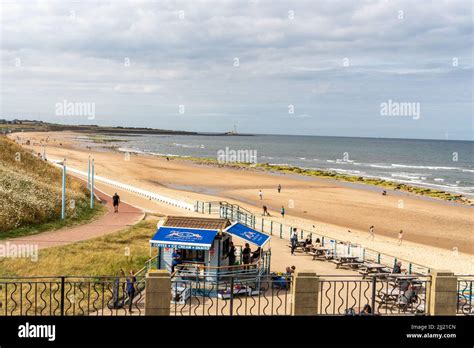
pixel 436 233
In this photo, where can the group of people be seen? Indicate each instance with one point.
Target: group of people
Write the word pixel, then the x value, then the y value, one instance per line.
pixel 307 243
pixel 248 256
pixel 265 208
pixel 372 235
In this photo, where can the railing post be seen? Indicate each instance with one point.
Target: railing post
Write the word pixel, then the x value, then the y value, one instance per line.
pixel 231 310
pixel 305 293
pixel 281 231
pixel 262 224
pixel 378 258
pixel 210 208
pixel 409 268
pixel 62 296
pixel 271 227
pixel 157 292
pixel 374 289
pixel 443 293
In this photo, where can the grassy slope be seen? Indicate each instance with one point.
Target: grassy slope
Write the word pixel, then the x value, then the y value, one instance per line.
pixel 30 194
pixel 99 256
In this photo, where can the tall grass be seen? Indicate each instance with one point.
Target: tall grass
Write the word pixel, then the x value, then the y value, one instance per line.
pixel 30 190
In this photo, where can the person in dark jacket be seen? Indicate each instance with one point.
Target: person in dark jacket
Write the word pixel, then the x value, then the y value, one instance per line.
pixel 131 280
pixel 231 254
pixel 116 202
pixel 246 254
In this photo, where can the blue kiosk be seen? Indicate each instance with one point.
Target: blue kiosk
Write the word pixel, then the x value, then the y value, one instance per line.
pixel 203 245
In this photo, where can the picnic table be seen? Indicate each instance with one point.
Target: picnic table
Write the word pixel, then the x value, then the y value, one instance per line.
pixel 299 245
pixel 319 252
pixel 369 268
pixel 346 260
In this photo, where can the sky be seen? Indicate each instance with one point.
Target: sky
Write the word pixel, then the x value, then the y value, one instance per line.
pixel 389 68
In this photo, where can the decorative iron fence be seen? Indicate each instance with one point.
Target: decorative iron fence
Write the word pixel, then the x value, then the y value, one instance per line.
pixel 465 294
pixel 268 295
pixel 390 295
pixel 275 228
pixel 64 296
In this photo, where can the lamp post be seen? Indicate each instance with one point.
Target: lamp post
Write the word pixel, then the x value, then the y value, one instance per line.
pixel 63 196
pixel 92 184
pixel 89 172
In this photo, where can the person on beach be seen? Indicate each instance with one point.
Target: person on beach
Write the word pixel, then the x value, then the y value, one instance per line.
pixel 294 241
pixel 400 237
pixel 265 211
pixel 279 188
pixel 131 280
pixel 371 233
pixel 282 211
pixel 260 194
pixel 246 254
pixel 116 201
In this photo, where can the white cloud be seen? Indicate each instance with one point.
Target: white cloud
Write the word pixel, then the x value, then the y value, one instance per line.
pixel 79 49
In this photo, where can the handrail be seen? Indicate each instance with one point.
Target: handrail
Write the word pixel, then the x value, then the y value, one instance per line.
pixel 148 194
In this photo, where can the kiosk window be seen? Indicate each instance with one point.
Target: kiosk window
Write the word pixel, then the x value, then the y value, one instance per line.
pixel 192 255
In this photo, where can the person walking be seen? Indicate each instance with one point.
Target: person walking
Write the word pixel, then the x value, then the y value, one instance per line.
pixel 265 211
pixel 400 237
pixel 116 202
pixel 282 211
pixel 371 233
pixel 279 188
pixel 294 241
pixel 131 280
pixel 260 194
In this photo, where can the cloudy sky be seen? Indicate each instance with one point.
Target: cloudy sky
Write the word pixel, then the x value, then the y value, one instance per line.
pixel 283 67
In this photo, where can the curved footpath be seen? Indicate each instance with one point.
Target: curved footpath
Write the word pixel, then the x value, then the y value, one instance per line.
pixel 109 223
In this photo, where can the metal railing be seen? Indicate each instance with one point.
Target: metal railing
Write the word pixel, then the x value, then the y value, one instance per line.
pixel 268 295
pixel 465 304
pixel 65 296
pixel 391 295
pixel 199 271
pixel 275 228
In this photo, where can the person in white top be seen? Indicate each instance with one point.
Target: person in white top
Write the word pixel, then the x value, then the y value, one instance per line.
pixel 371 233
pixel 400 237
pixel 260 194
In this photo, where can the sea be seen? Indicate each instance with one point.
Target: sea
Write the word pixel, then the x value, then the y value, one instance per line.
pixel 440 164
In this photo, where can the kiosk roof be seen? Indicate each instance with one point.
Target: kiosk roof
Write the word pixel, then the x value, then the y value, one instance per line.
pixel 196 222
